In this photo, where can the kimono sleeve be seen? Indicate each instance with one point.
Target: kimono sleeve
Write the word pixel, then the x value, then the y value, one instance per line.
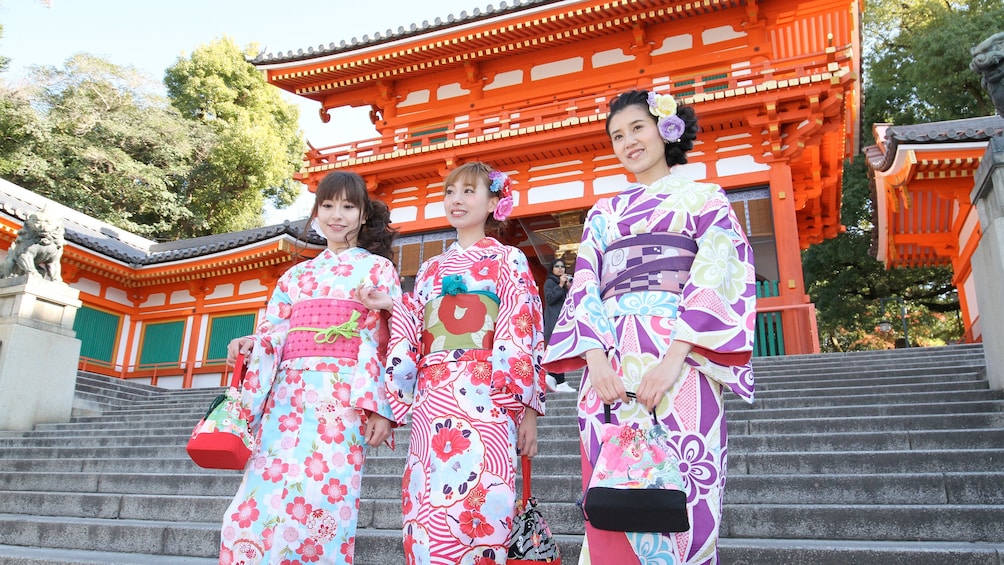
pixel 519 337
pixel 583 324
pixel 403 351
pixel 269 338
pixel 369 390
pixel 718 308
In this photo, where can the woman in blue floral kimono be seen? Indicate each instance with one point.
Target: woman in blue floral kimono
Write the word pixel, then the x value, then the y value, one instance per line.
pixel 314 390
pixel 662 304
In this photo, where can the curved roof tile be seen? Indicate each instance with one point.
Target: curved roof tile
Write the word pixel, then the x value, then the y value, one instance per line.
pixel 953 131
pixel 121 245
pixel 401 33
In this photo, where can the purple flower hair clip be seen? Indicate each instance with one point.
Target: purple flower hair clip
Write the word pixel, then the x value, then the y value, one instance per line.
pixel 501 185
pixel 663 107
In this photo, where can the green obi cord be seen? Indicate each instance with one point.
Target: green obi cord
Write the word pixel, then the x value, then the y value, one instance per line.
pixel 460 319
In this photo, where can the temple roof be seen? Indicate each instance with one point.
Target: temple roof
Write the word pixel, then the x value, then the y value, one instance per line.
pixel 116 243
pixel 881 156
pixel 390 35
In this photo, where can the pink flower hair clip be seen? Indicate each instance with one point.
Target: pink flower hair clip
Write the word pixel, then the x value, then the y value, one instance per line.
pixel 501 185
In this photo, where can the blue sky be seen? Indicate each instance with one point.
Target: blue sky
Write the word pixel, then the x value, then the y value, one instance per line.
pixel 150 35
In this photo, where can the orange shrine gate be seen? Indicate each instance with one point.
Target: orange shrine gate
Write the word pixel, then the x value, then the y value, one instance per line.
pixel 524 87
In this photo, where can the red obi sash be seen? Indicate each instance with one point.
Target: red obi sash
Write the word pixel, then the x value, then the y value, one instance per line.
pixel 459 321
pixel 324 327
pixel 648 261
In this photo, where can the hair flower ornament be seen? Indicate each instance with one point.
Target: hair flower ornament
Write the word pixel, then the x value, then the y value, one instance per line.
pixel 501 185
pixel 663 107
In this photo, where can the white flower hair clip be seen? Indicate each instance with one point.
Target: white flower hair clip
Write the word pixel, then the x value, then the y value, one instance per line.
pixel 663 107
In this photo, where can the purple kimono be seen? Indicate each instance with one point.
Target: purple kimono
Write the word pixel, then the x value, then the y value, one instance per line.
pixel 656 264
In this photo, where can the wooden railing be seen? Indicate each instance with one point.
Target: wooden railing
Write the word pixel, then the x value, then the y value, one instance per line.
pixel 154 371
pixel 539 115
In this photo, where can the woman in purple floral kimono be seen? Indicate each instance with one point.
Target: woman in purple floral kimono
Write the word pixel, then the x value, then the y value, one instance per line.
pixel 662 304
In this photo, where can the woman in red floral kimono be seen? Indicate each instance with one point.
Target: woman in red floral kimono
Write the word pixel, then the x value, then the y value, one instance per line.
pixel 464 360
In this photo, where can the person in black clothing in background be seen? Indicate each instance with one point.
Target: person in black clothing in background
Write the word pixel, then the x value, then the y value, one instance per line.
pixel 555 289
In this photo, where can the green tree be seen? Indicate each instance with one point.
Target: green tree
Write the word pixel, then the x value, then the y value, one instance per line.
pixel 847 284
pixel 254 144
pixel 916 70
pixel 916 61
pixel 113 148
pixel 24 137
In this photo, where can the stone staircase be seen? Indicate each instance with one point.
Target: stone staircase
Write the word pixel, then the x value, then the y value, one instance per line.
pixel 890 457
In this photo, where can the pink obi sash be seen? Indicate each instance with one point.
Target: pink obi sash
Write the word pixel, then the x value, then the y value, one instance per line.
pixel 648 261
pixel 459 321
pixel 324 327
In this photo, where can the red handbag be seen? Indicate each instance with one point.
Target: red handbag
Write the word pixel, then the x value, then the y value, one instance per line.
pixel 223 440
pixel 530 541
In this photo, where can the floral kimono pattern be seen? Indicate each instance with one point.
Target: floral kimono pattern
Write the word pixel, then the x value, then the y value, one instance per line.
pixel 466 374
pixel 712 306
pixel 299 500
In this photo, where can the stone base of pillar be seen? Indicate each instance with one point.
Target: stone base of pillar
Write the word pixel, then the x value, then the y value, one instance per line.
pixel 988 260
pixel 38 351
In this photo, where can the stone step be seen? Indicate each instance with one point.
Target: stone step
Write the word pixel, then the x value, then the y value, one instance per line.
pixel 558 430
pixel 866 462
pixel 829 551
pixel 383 547
pixel 822 407
pixel 879 457
pixel 567 444
pixel 949 421
pixel 14 555
pixel 933 522
pixel 888 390
pixel 813 489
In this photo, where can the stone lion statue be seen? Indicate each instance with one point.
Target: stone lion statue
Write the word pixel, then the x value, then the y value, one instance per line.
pixel 988 60
pixel 37 249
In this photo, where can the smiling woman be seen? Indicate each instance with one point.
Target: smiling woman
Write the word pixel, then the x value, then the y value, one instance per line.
pixel 662 307
pixel 314 391
pixel 465 363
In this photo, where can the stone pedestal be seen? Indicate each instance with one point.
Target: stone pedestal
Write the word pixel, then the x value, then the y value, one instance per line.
pixel 38 351
pixel 988 260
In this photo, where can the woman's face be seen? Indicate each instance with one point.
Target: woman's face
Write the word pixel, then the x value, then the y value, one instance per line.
pixel 468 205
pixel 558 269
pixel 638 145
pixel 340 221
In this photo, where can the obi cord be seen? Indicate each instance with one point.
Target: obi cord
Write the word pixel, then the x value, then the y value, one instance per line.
pixel 326 328
pixel 454 285
pixel 347 329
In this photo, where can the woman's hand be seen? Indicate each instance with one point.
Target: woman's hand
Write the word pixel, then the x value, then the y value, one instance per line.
pixel 604 380
pixel 377 429
pixel 239 345
pixel 526 435
pixel 372 298
pixel 657 381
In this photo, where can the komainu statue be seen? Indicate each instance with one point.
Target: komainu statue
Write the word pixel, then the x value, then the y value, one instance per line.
pixel 37 249
pixel 988 60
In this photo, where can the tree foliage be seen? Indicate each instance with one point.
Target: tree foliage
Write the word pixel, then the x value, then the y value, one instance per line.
pixel 255 144
pixel 112 148
pixel 104 140
pixel 916 61
pixel 848 285
pixel 916 70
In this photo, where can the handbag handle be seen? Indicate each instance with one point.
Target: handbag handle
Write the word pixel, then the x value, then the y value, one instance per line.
pixel 526 479
pixel 239 368
pixel 606 411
